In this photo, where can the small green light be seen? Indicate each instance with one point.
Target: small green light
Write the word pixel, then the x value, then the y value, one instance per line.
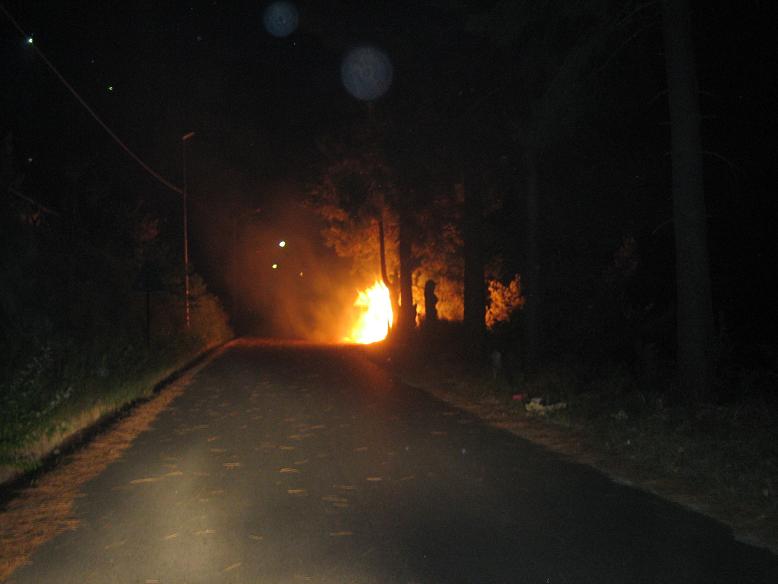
pixel 110 88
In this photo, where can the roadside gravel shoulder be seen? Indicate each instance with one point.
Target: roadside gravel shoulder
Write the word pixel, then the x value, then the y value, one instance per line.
pixel 750 521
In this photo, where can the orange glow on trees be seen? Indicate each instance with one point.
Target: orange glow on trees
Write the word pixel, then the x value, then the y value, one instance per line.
pixel 504 300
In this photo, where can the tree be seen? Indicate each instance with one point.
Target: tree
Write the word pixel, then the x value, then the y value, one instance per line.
pixel 694 303
pixel 379 186
pixel 438 251
pixel 475 295
pixel 552 50
pixel 353 195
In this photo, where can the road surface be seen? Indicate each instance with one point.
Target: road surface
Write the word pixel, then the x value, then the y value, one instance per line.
pixel 291 463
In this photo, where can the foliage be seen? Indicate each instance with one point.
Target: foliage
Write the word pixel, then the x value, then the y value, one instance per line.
pixel 438 253
pixel 351 196
pixel 504 300
pixel 73 311
pixel 723 456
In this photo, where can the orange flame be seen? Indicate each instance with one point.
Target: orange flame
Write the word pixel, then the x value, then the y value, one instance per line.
pixel 375 317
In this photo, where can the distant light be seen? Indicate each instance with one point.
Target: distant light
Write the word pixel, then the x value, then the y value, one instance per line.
pixel 29 40
pixel 281 19
pixel 366 73
pixel 282 243
pixel 275 266
pixel 301 274
pixel 29 160
pixel 110 88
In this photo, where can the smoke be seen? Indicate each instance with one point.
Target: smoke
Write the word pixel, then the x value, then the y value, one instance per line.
pixel 310 292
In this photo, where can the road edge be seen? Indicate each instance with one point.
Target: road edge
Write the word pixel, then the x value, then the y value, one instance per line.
pixel 48 451
pixel 572 445
pixel 43 509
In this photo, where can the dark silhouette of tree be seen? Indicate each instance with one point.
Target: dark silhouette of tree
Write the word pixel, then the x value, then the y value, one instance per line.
pixel 406 318
pixel 475 295
pixel 694 303
pixel 387 203
pixel 355 196
pixel 557 51
pixel 552 51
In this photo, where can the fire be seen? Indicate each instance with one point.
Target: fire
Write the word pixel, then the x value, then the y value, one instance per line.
pixel 375 316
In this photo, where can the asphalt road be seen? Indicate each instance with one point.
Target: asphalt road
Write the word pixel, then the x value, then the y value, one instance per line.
pixel 295 463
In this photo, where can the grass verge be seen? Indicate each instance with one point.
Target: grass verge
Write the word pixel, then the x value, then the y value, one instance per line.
pixel 44 509
pixel 33 435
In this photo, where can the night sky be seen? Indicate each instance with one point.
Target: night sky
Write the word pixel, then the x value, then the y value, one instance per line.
pixel 261 106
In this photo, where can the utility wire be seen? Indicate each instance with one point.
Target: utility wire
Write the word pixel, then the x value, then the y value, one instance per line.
pixel 110 132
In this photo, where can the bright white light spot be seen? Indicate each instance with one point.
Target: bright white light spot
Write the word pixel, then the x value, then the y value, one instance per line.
pixel 110 88
pixel 29 40
pixel 275 266
pixel 282 243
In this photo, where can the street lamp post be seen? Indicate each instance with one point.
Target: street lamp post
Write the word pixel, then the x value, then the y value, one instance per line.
pixel 184 140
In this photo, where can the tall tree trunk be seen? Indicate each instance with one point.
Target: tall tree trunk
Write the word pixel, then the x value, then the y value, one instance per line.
pixel 407 316
pixel 390 285
pixel 235 274
pixel 530 279
pixel 475 297
pixel 693 288
pixel 382 248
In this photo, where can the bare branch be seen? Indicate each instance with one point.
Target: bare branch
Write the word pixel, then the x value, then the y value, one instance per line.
pixel 24 197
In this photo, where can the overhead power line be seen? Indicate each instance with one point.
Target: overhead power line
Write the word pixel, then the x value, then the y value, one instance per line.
pixel 70 88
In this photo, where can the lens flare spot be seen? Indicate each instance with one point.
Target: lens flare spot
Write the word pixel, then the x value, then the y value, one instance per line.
pixel 281 19
pixel 366 73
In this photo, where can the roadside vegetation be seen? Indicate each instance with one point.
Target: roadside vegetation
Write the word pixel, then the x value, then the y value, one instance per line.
pixel 91 310
pixel 718 457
